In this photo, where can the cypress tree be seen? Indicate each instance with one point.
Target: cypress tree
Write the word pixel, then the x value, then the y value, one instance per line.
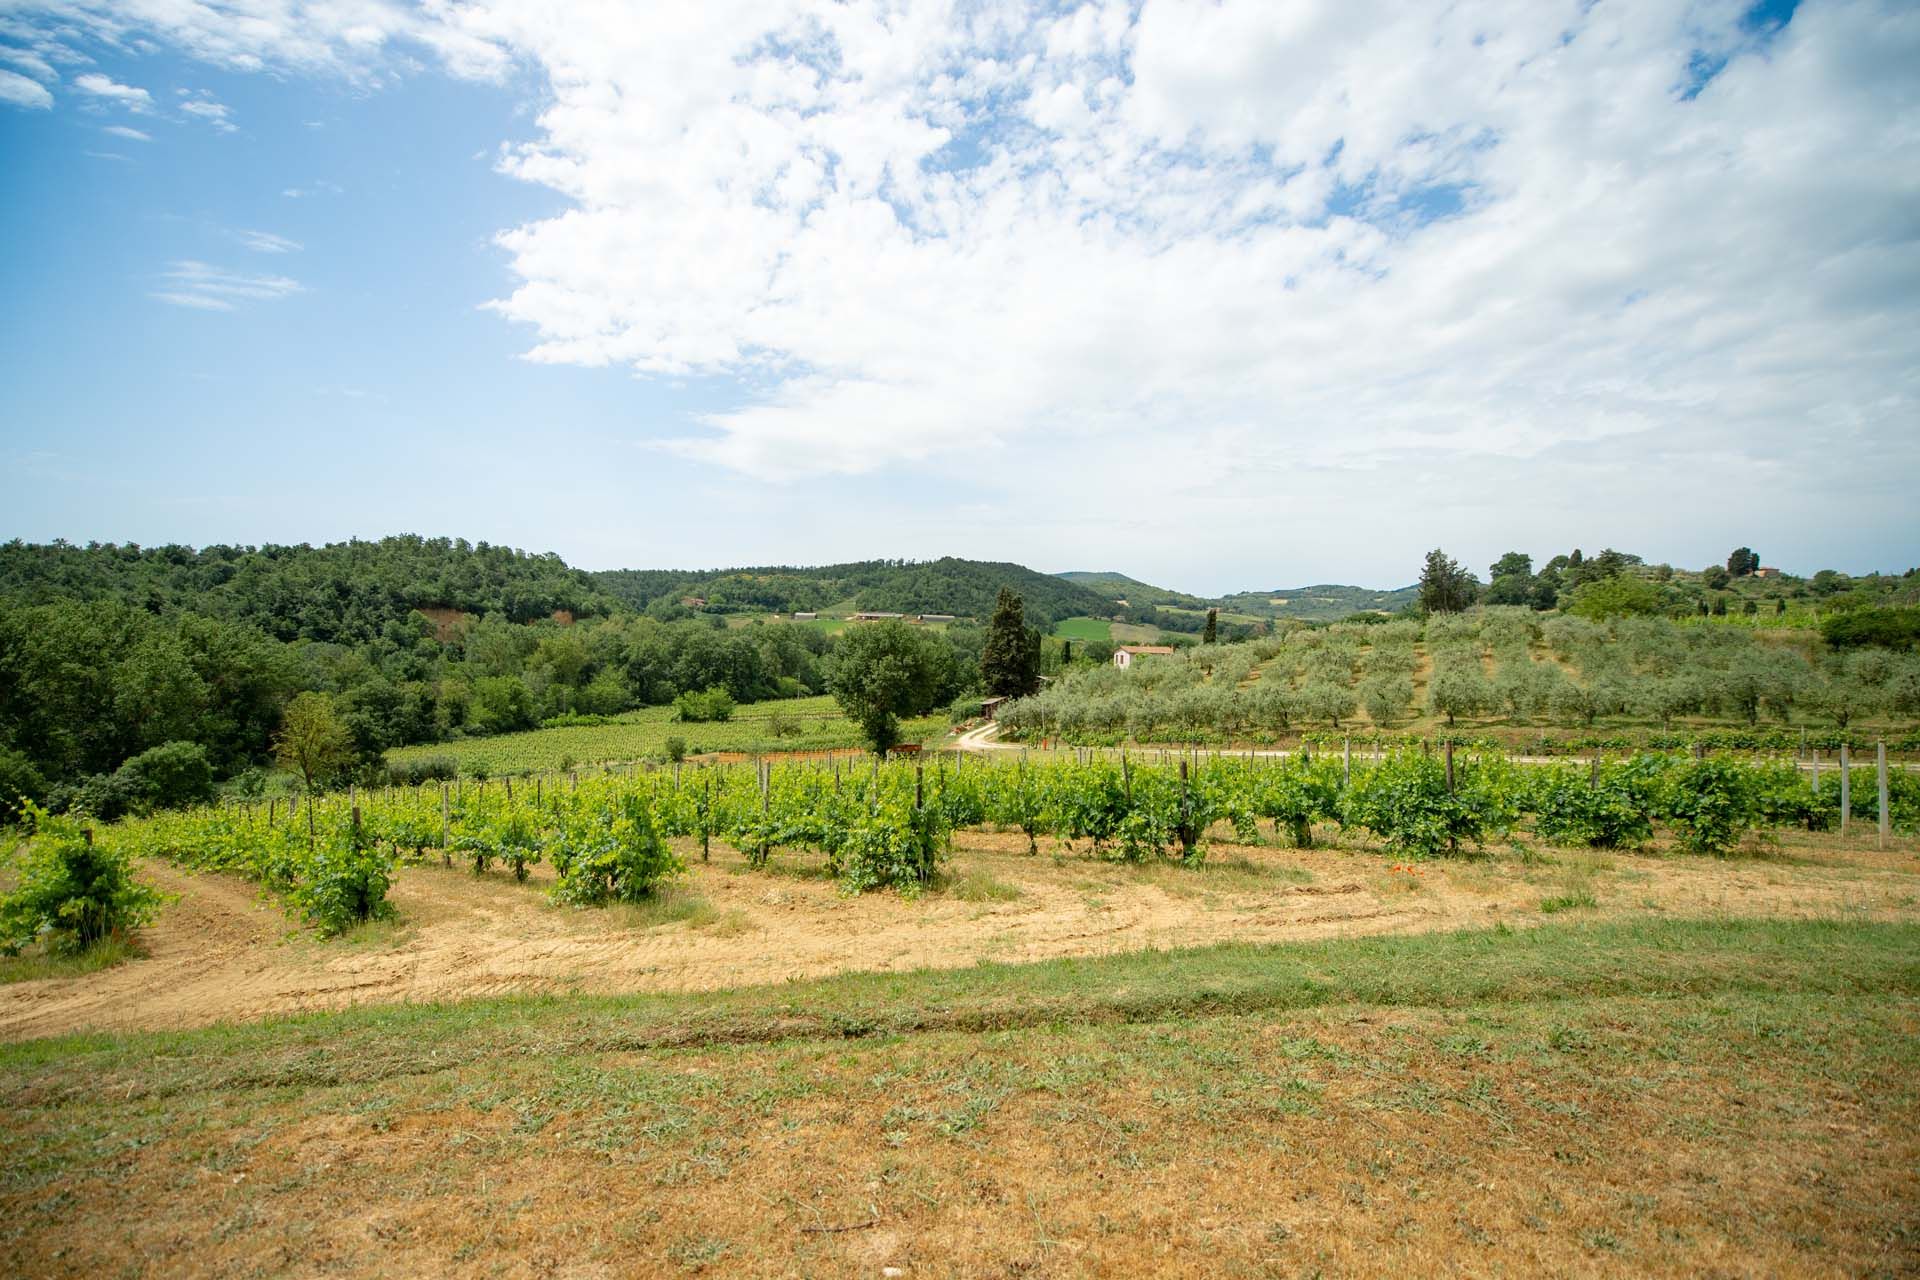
pixel 1010 660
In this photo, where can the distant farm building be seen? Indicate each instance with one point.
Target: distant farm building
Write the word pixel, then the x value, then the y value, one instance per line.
pixel 1123 656
pixel 990 707
pixel 693 602
pixel 878 617
pixel 936 617
pixel 805 617
pixel 1766 571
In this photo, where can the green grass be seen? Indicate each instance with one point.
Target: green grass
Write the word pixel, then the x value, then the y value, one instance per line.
pixel 1083 630
pixel 979 885
pixel 817 722
pixel 34 965
pixel 1562 961
pixel 1573 900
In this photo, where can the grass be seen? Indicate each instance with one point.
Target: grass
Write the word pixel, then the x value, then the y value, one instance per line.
pixel 37 963
pixel 816 723
pixel 1649 1096
pixel 977 884
pixel 1083 630
pixel 1573 900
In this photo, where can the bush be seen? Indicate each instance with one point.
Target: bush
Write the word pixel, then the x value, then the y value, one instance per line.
pixel 19 780
pixel 69 890
pixel 712 706
pixel 1711 803
pixel 1613 813
pixel 676 748
pixel 615 856
pixel 172 775
pixel 1405 801
pixel 421 770
pixel 344 882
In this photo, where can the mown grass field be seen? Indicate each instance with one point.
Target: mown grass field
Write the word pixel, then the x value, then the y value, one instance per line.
pixel 1082 630
pixel 1646 1097
pixel 813 724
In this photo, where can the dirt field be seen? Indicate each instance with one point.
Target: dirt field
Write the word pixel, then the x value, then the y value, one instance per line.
pixel 220 954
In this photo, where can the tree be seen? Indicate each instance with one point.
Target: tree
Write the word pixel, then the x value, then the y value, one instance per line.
pixel 1444 586
pixel 1514 563
pixel 1212 632
pixel 885 670
pixel 1621 595
pixel 1742 562
pixel 1010 661
pixel 1458 691
pixel 312 742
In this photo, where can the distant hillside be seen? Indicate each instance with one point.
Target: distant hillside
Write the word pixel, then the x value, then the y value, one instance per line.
pixel 1320 603
pixel 343 592
pixel 965 588
pixel 1137 594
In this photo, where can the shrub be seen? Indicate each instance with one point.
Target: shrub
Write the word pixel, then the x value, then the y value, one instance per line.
pixel 172 775
pixel 611 856
pixel 1613 813
pixel 1711 803
pixel 344 881
pixel 676 749
pixel 19 780
pixel 1405 801
pixel 70 890
pixel 422 769
pixel 713 705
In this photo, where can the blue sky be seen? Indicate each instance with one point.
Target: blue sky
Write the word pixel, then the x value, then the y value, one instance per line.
pixel 1225 296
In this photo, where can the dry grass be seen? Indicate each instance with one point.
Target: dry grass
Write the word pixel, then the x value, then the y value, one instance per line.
pixel 1683 1101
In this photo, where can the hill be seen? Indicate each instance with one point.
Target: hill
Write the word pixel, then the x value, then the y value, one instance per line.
pixel 1323 602
pixel 343 592
pixel 965 588
pixel 1136 594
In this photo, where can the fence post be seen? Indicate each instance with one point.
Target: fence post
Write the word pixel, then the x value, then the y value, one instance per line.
pixel 446 854
pixel 1846 788
pixel 1816 771
pixel 1594 773
pixel 1449 765
pixel 1880 767
pixel 509 782
pixel 1346 762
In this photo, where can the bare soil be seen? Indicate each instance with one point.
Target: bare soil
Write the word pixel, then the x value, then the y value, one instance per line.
pixel 219 953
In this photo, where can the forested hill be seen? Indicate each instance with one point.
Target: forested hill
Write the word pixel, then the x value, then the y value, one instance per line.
pixel 1137 594
pixel 965 588
pixel 344 592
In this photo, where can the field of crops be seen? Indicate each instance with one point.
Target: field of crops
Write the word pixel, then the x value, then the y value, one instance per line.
pixel 889 825
pixel 1494 668
pixel 794 724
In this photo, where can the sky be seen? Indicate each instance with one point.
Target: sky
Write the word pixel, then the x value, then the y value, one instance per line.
pixel 1223 295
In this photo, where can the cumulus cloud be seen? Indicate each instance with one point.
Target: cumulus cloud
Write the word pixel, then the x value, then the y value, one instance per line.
pixel 205 107
pixel 1224 252
pixel 23 92
pixel 106 88
pixel 208 288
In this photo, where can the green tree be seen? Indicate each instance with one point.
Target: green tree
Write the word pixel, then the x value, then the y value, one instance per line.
pixel 312 741
pixel 885 670
pixel 1212 632
pixel 1618 596
pixel 1742 562
pixel 1010 662
pixel 1444 586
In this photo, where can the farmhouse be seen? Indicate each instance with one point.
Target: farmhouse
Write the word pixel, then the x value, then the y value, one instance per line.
pixel 1123 656
pixel 1766 571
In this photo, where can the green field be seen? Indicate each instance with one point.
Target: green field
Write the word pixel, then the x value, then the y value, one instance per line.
pixel 1083 630
pixel 1648 1097
pixel 815 724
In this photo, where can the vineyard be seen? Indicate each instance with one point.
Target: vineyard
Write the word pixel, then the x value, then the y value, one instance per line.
pixel 1493 667
pixel 874 826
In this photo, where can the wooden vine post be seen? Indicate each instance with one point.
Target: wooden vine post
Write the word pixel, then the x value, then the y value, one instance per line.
pixel 1846 789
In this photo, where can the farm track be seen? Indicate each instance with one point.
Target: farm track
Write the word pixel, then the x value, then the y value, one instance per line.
pixel 221 954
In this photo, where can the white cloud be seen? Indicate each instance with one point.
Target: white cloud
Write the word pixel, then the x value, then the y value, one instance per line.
pixel 122 131
pixel 22 92
pixel 133 99
pixel 267 242
pixel 207 288
pixel 1359 263
pixel 218 114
